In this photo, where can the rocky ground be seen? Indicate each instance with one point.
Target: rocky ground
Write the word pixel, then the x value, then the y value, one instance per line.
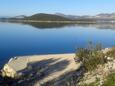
pixel 56 65
pixel 48 68
pixel 98 76
pixel 65 70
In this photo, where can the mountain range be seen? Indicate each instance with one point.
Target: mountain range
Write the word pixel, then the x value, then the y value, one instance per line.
pixel 63 17
pixel 98 16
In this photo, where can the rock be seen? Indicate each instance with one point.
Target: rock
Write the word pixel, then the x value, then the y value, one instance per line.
pixel 114 65
pixel 109 59
pixel 106 50
pixel 91 80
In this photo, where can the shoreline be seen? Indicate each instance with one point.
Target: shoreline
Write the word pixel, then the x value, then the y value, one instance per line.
pixel 60 22
pixel 53 65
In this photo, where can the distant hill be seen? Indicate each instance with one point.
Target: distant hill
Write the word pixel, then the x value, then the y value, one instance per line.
pixel 98 16
pixel 72 17
pixel 106 16
pixel 20 16
pixel 47 17
pixel 43 17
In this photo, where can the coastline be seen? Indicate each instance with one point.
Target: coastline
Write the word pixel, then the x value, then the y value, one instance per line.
pixel 61 22
pixel 47 69
pixel 53 65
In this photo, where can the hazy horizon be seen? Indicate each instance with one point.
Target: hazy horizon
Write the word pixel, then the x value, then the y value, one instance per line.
pixel 57 13
pixel 78 7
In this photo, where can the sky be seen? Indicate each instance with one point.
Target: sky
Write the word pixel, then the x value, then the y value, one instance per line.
pixel 74 7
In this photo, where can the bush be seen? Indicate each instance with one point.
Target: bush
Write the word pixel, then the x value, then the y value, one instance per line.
pixel 91 56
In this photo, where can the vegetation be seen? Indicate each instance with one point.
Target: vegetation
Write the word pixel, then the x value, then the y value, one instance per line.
pixel 110 80
pixel 47 17
pixel 91 56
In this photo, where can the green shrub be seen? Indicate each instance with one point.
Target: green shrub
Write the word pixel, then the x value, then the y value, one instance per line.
pixel 91 56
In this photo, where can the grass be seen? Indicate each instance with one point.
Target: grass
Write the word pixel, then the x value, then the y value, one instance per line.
pixel 110 80
pixel 91 56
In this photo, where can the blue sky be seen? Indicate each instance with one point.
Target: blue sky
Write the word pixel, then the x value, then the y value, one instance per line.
pixel 75 7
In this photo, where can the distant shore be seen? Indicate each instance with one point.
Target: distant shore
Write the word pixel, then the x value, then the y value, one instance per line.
pixel 61 22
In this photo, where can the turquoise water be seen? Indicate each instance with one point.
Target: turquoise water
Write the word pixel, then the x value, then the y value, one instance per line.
pixel 24 39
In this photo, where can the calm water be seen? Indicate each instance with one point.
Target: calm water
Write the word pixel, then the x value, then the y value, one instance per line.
pixel 24 39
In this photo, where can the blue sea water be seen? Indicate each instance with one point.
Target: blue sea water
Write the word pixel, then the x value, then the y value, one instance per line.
pixel 23 39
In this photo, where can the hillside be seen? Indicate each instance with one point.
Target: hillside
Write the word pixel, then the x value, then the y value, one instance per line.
pixel 43 17
pixel 47 17
pixel 106 16
pixel 62 17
